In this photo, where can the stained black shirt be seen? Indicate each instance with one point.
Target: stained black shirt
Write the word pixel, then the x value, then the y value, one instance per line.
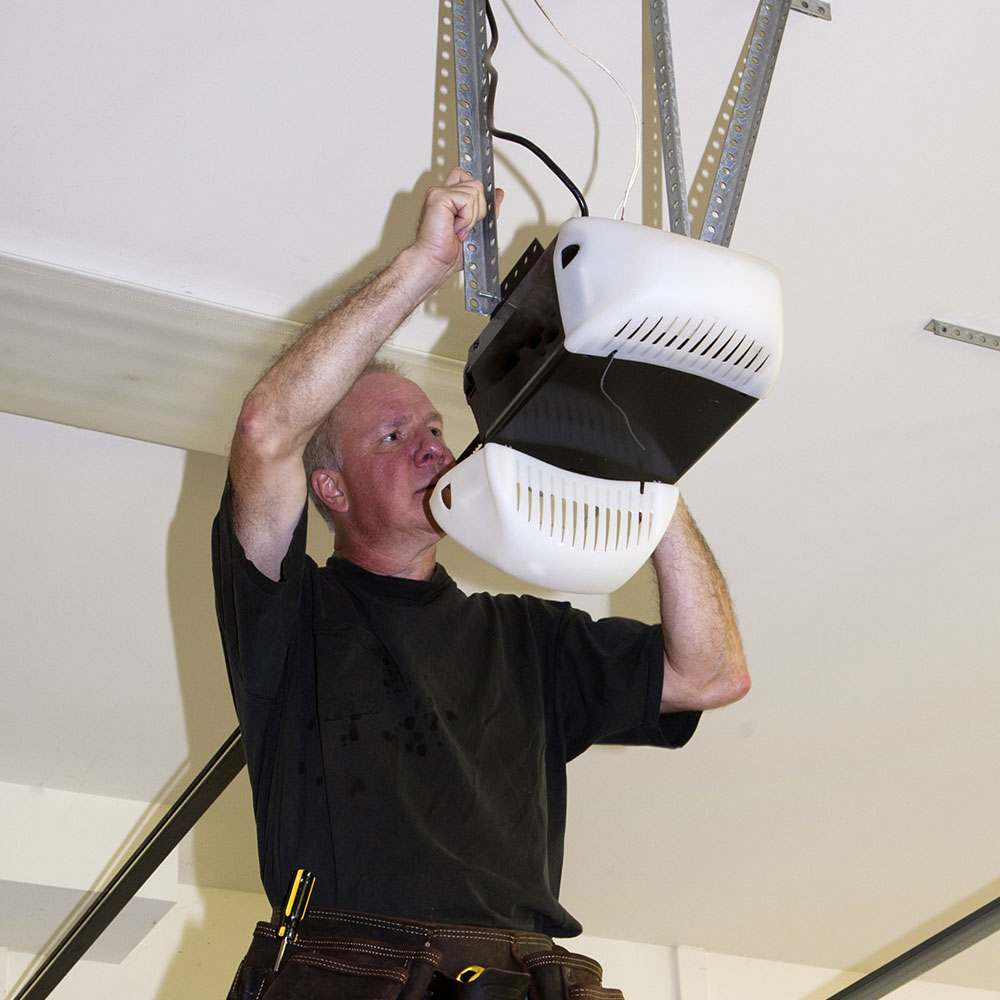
pixel 408 743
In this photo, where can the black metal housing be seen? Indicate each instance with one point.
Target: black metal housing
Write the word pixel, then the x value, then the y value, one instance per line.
pixel 614 419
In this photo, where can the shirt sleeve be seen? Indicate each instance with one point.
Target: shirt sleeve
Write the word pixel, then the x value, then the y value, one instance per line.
pixel 258 617
pixel 612 681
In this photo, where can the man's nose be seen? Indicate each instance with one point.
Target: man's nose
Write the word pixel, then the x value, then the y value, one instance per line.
pixel 432 447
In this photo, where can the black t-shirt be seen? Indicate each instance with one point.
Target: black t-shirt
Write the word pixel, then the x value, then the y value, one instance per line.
pixel 407 743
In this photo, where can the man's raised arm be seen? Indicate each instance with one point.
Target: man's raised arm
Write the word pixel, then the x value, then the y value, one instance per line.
pixel 294 396
pixel 703 661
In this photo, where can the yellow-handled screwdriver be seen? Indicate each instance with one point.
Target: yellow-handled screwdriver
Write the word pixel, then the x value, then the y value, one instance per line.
pixel 295 910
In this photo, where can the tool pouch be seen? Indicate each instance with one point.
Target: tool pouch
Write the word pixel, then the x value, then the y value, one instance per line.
pixel 348 969
pixel 562 975
pixel 490 984
pixel 249 983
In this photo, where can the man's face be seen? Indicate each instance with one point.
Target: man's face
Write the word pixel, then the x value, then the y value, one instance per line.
pixel 392 442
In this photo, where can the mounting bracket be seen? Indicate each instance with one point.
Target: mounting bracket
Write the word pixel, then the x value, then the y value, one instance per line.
pixel 475 150
pixel 729 149
pixel 968 336
pixel 675 190
pixel 761 54
pixel 813 8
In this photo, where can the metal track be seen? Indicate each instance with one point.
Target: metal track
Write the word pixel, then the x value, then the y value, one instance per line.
pixel 960 935
pixel 210 783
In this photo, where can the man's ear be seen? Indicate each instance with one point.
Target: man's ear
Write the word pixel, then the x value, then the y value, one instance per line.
pixel 327 485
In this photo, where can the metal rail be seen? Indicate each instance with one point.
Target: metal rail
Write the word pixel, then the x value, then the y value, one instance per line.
pixel 923 957
pixel 210 783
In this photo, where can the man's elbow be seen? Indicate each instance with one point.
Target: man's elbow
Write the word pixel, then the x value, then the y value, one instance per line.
pixel 728 684
pixel 736 681
pixel 257 431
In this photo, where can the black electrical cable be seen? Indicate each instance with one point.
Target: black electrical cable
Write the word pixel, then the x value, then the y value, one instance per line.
pixel 492 78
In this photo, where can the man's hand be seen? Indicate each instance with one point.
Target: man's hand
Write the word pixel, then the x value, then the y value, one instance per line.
pixel 449 215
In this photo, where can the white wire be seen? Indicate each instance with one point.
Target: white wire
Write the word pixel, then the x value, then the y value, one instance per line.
pixel 620 213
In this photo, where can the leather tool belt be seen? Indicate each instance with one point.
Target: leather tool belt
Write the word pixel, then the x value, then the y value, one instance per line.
pixel 340 955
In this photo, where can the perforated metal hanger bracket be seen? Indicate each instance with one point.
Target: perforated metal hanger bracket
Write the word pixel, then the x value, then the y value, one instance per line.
pixel 475 150
pixel 729 148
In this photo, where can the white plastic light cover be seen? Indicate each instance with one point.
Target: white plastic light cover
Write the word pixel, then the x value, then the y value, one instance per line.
pixel 553 528
pixel 647 295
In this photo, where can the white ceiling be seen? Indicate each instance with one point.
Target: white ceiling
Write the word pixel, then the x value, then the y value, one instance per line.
pixel 235 154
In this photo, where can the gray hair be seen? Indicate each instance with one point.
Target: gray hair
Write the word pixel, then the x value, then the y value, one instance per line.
pixel 323 450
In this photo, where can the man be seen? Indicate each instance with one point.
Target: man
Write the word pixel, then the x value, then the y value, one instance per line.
pixel 405 742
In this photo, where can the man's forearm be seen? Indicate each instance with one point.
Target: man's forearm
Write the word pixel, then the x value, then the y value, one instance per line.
pixel 704 665
pixel 313 375
pixel 294 396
